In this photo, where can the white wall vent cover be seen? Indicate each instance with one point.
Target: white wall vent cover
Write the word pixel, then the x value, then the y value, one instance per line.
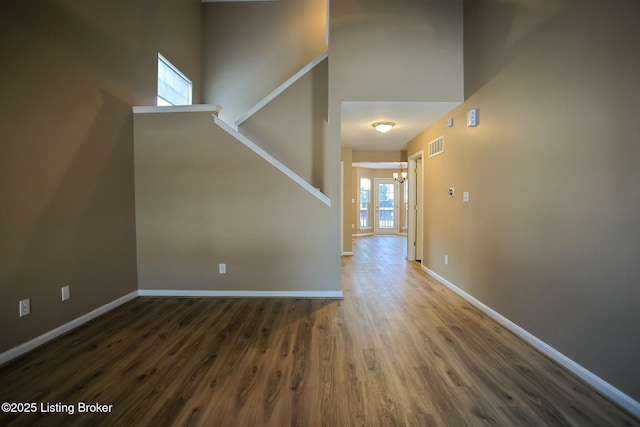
pixel 436 146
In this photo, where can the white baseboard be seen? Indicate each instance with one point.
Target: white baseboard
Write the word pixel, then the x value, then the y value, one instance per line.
pixel 48 336
pixel 347 253
pixel 241 294
pixel 606 389
pixel 362 234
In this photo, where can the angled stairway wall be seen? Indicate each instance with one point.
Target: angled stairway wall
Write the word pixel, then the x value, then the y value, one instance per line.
pixel 252 47
pixel 203 199
pixel 271 160
pixel 291 126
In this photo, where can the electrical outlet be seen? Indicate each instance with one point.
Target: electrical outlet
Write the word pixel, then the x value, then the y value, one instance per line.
pixel 446 260
pixel 222 268
pixel 452 192
pixel 24 307
pixel 65 293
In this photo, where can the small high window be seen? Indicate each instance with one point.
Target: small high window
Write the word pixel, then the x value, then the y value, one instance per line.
pixel 174 88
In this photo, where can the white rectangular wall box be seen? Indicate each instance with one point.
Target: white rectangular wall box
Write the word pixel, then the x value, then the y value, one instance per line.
pixel 472 117
pixel 24 307
pixel 222 268
pixel 65 293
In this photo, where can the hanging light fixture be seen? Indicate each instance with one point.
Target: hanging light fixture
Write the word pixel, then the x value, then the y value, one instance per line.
pixel 383 127
pixel 401 176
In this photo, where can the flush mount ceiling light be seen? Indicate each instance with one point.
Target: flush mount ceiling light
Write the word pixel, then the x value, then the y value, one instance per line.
pixel 383 127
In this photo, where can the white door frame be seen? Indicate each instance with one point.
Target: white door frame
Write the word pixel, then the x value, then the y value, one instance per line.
pixel 376 219
pixel 415 237
pixel 342 207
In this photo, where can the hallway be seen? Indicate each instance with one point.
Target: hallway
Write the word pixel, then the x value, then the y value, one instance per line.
pixel 433 351
pixel 399 350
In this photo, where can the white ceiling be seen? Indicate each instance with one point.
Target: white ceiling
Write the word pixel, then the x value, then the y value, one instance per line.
pixel 379 165
pixel 410 118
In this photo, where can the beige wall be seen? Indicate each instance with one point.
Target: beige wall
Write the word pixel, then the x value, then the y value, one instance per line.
pixel 70 73
pixel 404 50
pixel 415 48
pixel 250 48
pixel 203 198
pixel 550 238
pixel 291 127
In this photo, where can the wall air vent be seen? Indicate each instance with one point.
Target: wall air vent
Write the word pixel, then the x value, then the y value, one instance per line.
pixel 436 146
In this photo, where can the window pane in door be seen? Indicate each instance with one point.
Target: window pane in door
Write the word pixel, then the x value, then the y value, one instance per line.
pixel 365 190
pixel 386 206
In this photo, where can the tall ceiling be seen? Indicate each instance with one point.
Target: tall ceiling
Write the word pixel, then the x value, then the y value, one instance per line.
pixel 410 118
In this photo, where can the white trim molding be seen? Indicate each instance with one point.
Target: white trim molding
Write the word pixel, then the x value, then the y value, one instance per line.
pixel 240 294
pixel 284 86
pixel 272 160
pixel 152 109
pixel 606 389
pixel 55 333
pixel 362 234
pixel 347 253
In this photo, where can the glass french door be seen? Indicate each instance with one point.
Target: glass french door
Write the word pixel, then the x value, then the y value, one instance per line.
pixel 386 209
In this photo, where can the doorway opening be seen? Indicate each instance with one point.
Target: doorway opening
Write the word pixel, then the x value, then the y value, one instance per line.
pixel 380 206
pixel 386 206
pixel 415 234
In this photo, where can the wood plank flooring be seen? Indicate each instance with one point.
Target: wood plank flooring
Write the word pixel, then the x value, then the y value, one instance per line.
pixel 399 350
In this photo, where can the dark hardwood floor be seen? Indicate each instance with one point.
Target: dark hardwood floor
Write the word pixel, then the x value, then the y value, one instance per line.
pixel 399 350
